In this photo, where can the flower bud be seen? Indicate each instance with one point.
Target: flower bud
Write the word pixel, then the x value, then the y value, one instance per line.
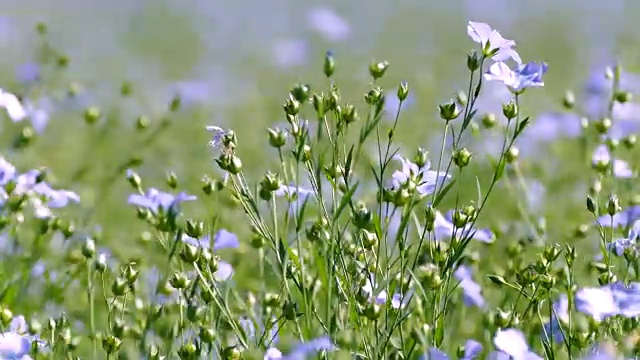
pixel 473 61
pixel 510 110
pixel 111 344
pixel 551 252
pixel 231 353
pixel 449 111
pixel 377 70
pixel 188 350
pixel 291 106
pixel 374 96
pixel 603 125
pixel 629 141
pixel 372 311
pixel 126 88
pixel 623 96
pixel 591 206
pixel 461 97
pixel 502 318
pixel 329 66
pixel 194 228
pixel 421 158
pixel 189 253
pixel 179 281
pixel 613 205
pixel 175 103
pixel 349 114
pixel 207 335
pixel 5 316
pixel 362 216
pixel 569 100
pixel 462 157
pixel 172 179
pixel 119 286
pixel 235 166
pixel 92 115
pixel 403 90
pixel 301 92
pixel 89 248
pixel 100 263
pixel 142 122
pixel 512 154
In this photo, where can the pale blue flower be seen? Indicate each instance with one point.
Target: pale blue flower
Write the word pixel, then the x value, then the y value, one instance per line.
pixel 391 104
pixel 16 343
pixel 7 171
pixel 29 73
pixel 156 200
pixel 471 290
pixel 434 354
pixel 492 42
pixel 512 343
pixel 14 346
pixel 610 300
pixel 472 350
pixel 218 135
pixel 290 52
pixel 621 219
pixel 602 158
pixel 328 24
pixel 426 180
pixel 303 350
pixel 619 245
pixel 293 192
pixel 559 316
pixel 380 296
pixel 444 229
pixel 523 77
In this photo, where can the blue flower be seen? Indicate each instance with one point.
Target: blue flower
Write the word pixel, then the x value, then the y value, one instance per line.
pixel 426 180
pixel 444 228
pixel 16 344
pixel 472 350
pixel 622 219
pixel 618 246
pixel 523 77
pixel 328 24
pixel 434 354
pixel 293 192
pixel 471 290
pixel 290 52
pixel 156 200
pixel 610 300
pixel 218 135
pixel 222 240
pixel 397 301
pixel 316 345
pixel 512 343
pixel 559 316
pixel 391 104
pixel 7 172
pixel 302 350
pixel 602 159
pixel 493 44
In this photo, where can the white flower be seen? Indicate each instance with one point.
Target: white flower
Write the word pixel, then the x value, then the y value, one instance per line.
pixel 14 107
